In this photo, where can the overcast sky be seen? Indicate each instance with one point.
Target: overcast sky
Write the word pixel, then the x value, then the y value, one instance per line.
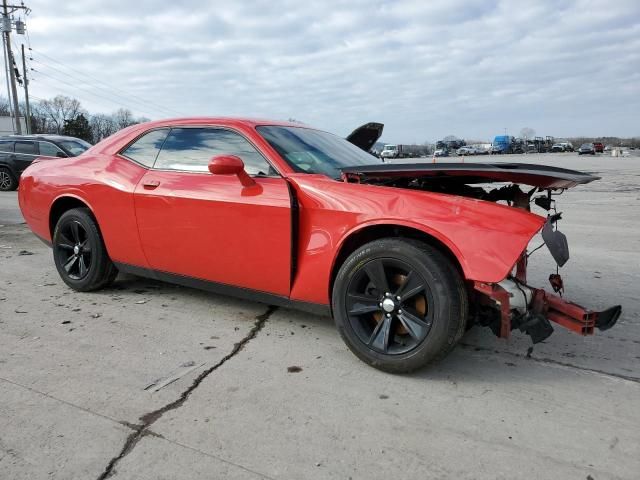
pixel 425 69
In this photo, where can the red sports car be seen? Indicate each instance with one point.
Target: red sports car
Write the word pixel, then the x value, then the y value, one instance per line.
pixel 404 256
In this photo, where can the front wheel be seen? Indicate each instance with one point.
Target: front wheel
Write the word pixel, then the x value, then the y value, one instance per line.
pixel 399 304
pixel 79 252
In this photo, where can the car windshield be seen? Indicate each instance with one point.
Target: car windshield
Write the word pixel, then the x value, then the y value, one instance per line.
pixel 390 147
pixel 75 147
pixel 586 145
pixel 313 151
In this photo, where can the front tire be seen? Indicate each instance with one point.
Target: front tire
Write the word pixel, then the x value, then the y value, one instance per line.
pixel 79 252
pixel 399 304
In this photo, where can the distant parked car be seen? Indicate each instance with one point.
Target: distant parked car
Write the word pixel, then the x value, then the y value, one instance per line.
pixel 467 150
pixel 441 152
pixel 18 151
pixel 568 146
pixel 586 149
pixel 607 148
pixel 558 147
pixel 598 147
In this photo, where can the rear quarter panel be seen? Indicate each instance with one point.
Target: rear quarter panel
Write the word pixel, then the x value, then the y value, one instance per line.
pixel 105 183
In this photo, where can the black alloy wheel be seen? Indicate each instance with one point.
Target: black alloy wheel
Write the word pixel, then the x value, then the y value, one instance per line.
pixel 74 250
pixel 399 304
pixel 79 252
pixel 387 306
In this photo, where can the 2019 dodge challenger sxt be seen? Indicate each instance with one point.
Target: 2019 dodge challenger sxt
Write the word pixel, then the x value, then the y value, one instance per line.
pixel 404 256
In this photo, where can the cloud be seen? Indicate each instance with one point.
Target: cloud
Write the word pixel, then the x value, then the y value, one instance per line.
pixel 425 69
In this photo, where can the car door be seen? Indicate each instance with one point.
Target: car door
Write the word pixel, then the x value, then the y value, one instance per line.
pixel 25 152
pixel 211 227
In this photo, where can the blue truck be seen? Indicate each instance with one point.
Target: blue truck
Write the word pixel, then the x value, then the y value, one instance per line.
pixel 503 144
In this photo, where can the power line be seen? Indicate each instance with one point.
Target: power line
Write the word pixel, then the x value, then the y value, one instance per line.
pixel 74 87
pixel 114 89
pixel 149 108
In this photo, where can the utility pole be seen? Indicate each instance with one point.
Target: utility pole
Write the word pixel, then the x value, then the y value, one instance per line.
pixel 12 73
pixel 26 93
pixel 6 76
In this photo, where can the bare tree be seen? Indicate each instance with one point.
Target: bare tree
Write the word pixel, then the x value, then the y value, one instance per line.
pixel 5 110
pixel 527 132
pixel 123 118
pixel 60 109
pixel 102 126
pixel 40 120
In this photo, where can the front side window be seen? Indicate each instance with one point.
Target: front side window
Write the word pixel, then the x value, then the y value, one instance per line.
pixel 191 149
pixel 314 151
pixel 50 150
pixel 28 148
pixel 146 148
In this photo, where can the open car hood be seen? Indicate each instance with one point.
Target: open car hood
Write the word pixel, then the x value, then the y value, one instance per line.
pixel 540 176
pixel 366 135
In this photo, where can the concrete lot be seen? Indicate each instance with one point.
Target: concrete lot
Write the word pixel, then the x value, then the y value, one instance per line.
pixel 85 387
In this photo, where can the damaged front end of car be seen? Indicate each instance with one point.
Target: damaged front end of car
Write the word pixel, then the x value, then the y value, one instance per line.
pixel 513 304
pixel 510 303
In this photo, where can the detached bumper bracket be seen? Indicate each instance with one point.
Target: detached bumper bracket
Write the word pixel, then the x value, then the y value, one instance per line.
pixel 545 307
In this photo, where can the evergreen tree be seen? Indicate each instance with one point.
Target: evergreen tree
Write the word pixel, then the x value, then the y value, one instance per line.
pixel 78 127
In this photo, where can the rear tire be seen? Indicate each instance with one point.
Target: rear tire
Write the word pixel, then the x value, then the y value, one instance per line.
pixel 79 252
pixel 8 181
pixel 399 304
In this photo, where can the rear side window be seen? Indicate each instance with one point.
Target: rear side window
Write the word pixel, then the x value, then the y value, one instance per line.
pixel 146 148
pixel 191 149
pixel 6 146
pixel 26 147
pixel 49 149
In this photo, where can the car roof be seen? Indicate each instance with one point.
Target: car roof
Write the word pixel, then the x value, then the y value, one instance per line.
pixel 48 137
pixel 223 121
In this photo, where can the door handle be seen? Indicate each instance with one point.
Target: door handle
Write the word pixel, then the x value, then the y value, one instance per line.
pixel 150 184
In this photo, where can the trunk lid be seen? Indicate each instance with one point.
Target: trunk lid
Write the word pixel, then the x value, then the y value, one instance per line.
pixel 365 136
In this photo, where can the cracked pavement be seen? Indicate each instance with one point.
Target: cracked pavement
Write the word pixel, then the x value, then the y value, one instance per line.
pixel 148 419
pixel 255 392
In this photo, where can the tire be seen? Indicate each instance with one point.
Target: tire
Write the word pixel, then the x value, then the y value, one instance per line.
pixel 79 252
pixel 8 181
pixel 419 328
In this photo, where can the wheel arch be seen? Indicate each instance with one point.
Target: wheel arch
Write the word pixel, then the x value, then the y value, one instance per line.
pixel 63 204
pixel 369 233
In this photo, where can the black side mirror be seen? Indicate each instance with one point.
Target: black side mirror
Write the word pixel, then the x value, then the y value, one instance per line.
pixel 61 155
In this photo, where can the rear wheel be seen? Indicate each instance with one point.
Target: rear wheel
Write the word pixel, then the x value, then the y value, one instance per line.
pixel 399 304
pixel 79 252
pixel 8 181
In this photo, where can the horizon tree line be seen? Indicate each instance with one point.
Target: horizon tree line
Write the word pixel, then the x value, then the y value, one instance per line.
pixel 64 115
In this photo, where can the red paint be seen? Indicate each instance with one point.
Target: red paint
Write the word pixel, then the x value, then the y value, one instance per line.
pixel 214 227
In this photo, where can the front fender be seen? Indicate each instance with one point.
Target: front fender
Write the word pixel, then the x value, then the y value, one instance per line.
pixel 486 238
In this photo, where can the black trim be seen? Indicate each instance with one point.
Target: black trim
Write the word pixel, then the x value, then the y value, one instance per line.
pixel 295 231
pixel 225 289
